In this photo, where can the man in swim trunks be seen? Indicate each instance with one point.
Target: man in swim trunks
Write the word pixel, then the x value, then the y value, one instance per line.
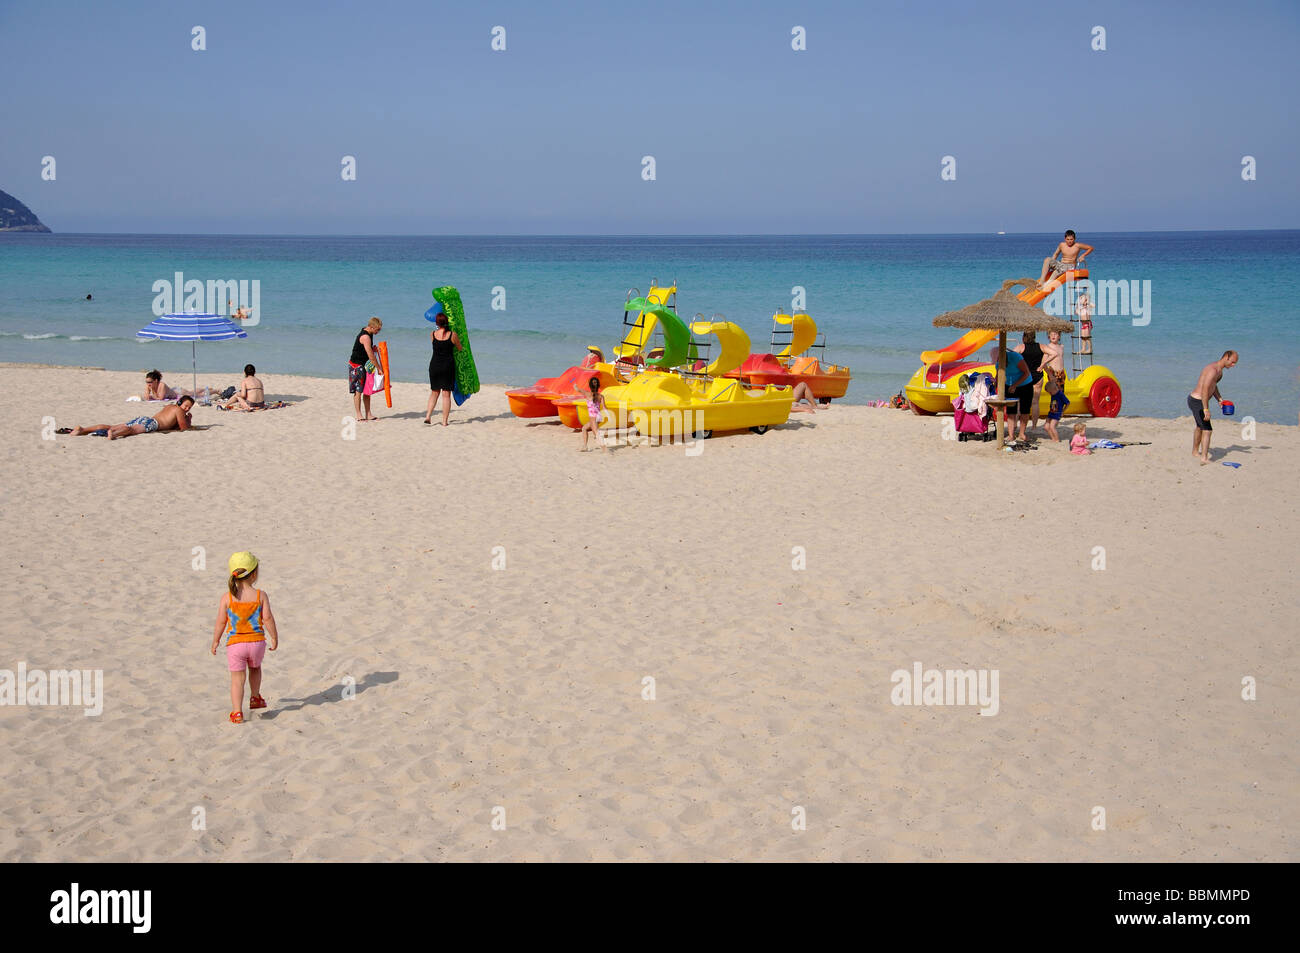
pixel 1071 252
pixel 173 417
pixel 363 356
pixel 1198 402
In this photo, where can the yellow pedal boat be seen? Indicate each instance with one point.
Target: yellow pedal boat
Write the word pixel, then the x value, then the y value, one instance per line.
pixel 659 403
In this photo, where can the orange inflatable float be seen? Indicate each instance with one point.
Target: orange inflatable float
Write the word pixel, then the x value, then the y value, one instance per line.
pixel 383 366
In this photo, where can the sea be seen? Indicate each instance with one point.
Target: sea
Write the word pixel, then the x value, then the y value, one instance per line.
pixel 533 304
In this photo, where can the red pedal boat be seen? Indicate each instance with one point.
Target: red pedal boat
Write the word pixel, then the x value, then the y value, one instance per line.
pixel 789 366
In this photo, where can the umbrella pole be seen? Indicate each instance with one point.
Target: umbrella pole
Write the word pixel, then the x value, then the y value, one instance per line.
pixel 1002 387
pixel 194 366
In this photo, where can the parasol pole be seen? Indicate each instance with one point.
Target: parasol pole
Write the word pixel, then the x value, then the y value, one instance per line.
pixel 194 366
pixel 1002 386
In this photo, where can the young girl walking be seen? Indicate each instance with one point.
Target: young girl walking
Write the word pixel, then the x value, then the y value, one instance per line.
pixel 595 408
pixel 244 616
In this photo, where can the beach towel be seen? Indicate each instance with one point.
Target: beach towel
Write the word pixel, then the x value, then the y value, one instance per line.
pixel 271 405
pixel 1112 445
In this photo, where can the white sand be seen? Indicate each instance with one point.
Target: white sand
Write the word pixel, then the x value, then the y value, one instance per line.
pixel 522 688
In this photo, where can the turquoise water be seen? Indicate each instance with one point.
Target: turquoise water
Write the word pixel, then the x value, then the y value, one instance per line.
pixel 873 296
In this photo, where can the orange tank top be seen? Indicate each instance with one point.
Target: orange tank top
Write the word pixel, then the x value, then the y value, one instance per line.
pixel 244 621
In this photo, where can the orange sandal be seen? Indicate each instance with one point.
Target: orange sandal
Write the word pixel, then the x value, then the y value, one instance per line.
pixel 236 717
pixel 257 701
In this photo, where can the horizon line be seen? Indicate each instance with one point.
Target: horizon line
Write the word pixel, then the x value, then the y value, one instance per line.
pixel 646 235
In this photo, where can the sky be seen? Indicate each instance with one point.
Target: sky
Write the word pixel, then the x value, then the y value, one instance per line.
pixel 748 135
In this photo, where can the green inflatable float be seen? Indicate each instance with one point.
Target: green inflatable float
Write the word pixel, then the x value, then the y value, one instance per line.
pixel 448 299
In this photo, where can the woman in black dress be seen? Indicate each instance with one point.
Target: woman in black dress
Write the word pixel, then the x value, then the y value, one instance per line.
pixel 442 368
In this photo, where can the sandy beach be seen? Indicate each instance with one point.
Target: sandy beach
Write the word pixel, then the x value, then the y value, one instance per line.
pixel 522 688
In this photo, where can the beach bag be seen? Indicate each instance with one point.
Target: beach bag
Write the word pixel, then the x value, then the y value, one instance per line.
pixel 374 383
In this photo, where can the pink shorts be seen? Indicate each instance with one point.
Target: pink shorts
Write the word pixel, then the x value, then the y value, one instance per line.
pixel 243 655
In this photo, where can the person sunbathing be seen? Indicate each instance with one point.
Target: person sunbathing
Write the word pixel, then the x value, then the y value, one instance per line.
pixel 802 392
pixel 251 395
pixel 155 389
pixel 173 417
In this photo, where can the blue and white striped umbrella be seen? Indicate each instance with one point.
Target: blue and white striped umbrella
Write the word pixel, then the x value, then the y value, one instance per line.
pixel 192 328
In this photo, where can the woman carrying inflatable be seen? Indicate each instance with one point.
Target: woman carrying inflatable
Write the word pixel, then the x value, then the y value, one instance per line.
pixel 442 367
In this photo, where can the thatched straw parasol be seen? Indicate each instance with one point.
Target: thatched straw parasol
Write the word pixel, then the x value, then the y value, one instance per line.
pixel 1002 313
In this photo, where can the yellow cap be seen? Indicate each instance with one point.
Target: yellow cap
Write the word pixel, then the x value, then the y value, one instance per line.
pixel 241 564
pixel 594 349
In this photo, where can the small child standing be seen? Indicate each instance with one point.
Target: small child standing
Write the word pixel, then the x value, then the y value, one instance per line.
pixel 1083 308
pixel 1079 442
pixel 595 408
pixel 1057 409
pixel 244 616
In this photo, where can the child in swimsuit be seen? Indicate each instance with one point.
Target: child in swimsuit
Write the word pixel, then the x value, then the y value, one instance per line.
pixel 245 618
pixel 595 407
pixel 1054 352
pixel 1057 408
pixel 1079 442
pixel 1084 309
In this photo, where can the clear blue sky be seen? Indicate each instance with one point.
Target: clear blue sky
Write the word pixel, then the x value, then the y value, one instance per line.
pixel 749 136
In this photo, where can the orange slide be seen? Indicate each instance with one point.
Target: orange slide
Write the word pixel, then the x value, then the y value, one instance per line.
pixel 968 343
pixel 1033 296
pixel 972 341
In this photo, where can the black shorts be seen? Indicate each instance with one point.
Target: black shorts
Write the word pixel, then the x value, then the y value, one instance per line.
pixel 1198 412
pixel 1025 394
pixel 356 378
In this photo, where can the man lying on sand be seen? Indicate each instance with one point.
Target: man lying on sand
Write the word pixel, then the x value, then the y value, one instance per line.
pixel 174 417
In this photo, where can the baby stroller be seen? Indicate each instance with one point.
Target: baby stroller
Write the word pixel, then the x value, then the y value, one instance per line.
pixel 971 413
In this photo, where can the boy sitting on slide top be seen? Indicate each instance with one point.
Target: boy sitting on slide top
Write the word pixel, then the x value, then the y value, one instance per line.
pixel 1071 252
